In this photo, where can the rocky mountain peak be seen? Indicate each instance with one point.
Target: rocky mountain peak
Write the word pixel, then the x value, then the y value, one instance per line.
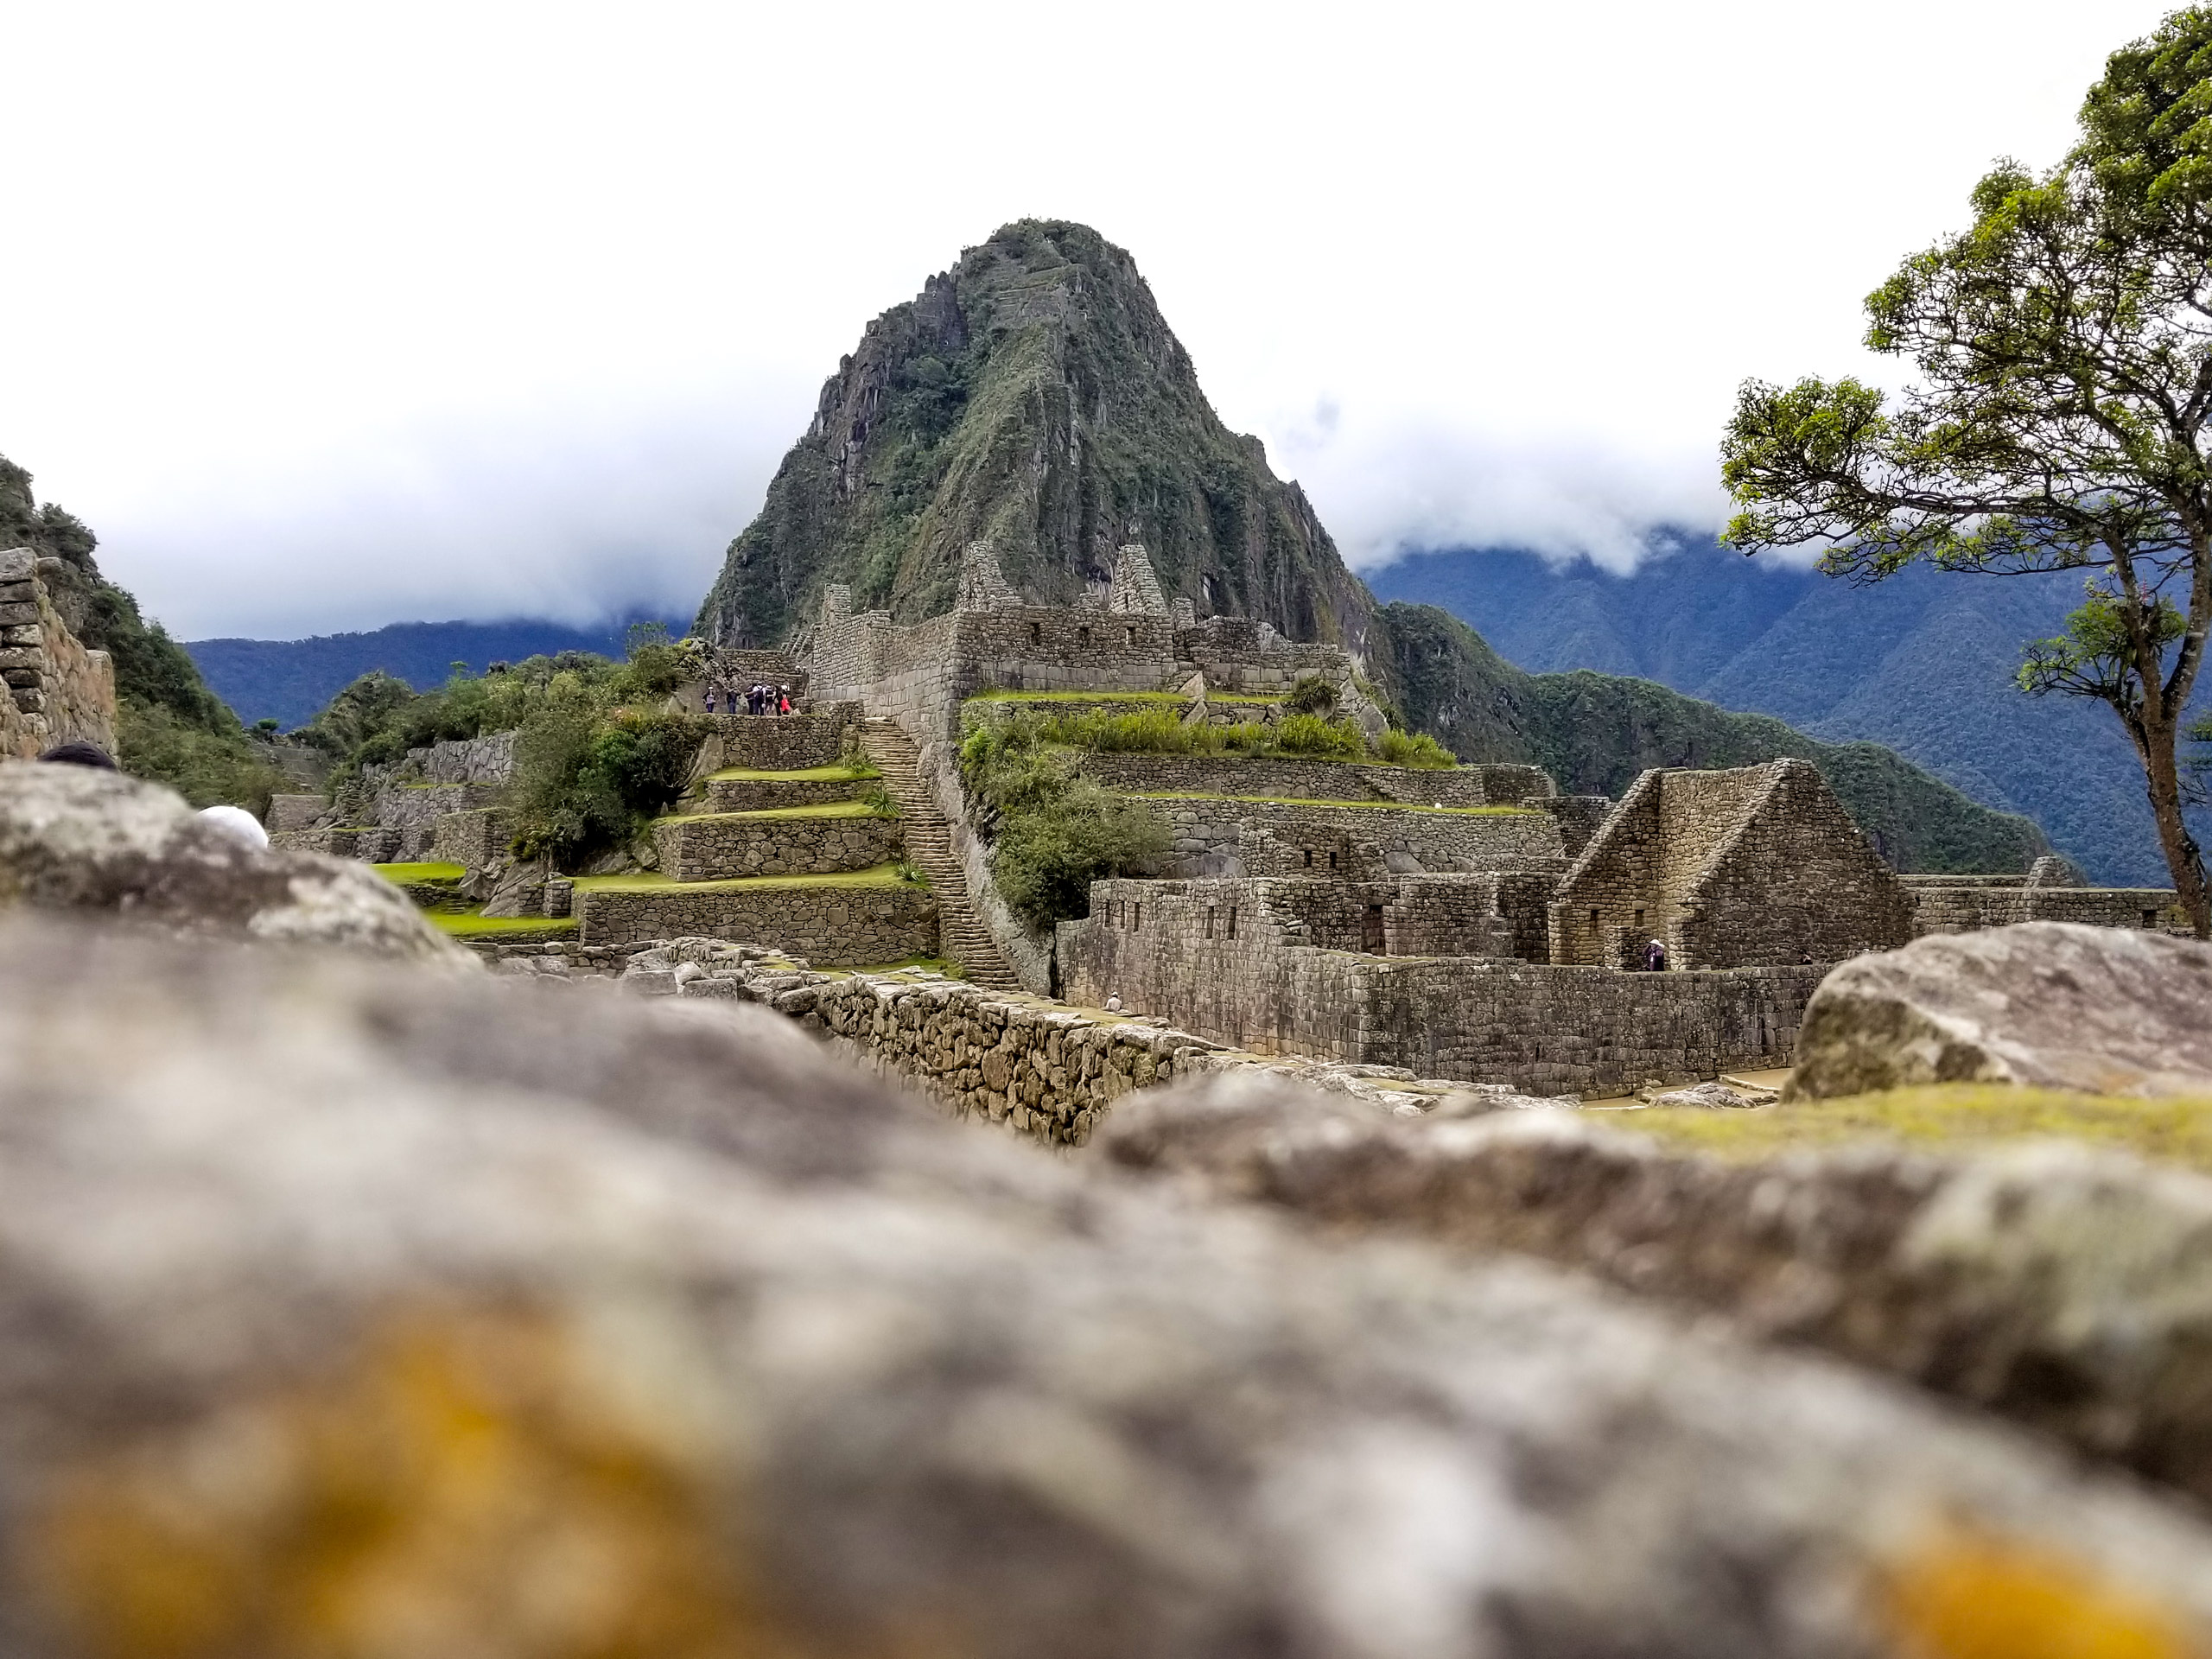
pixel 1032 397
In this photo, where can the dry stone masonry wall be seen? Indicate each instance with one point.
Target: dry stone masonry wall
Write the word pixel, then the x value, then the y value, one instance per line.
pixel 1045 1070
pixel 58 691
pixel 876 924
pixel 712 846
pixel 1231 960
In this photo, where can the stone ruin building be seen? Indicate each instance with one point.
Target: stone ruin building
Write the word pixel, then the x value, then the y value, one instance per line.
pixel 58 691
pixel 1469 923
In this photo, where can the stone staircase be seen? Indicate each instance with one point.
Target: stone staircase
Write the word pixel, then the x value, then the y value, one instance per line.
pixel 929 848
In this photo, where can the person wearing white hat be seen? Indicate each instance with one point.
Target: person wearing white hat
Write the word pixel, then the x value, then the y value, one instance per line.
pixel 237 822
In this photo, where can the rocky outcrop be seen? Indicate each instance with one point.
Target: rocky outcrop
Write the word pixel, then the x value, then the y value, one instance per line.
pixel 77 838
pixel 351 1312
pixel 2104 1010
pixel 2061 1287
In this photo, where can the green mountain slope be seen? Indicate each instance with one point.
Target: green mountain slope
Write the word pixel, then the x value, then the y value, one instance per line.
pixel 170 728
pixel 1034 397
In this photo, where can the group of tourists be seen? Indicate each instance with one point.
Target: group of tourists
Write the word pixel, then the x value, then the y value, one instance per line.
pixel 759 699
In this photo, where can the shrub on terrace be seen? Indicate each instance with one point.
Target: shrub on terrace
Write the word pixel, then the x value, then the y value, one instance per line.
pixel 1311 695
pixel 1052 833
pixel 1334 739
pixel 1416 749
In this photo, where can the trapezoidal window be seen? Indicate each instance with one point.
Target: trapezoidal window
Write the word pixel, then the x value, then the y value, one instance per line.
pixel 1129 635
pixel 1209 921
pixel 1036 633
pixel 1232 921
pixel 1083 637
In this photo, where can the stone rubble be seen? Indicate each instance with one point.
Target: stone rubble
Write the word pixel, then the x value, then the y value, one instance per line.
pixel 79 838
pixel 2100 1009
pixel 2067 1288
pixel 354 1311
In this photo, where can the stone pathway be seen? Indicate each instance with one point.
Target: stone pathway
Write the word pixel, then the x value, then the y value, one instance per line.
pixel 929 848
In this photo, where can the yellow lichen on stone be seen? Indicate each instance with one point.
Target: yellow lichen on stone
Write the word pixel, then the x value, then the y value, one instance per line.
pixel 462 1489
pixel 1982 1598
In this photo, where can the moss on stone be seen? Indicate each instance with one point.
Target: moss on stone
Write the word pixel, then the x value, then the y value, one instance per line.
pixel 2175 1130
pixel 467 924
pixel 403 874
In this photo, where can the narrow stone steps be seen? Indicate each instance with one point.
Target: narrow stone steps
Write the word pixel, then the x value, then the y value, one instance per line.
pixel 929 848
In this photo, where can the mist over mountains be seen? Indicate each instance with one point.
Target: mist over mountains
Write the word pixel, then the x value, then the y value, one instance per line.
pixel 1922 664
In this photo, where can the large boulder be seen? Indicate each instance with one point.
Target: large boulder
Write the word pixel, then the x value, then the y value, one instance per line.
pixel 79 838
pixel 352 1311
pixel 2064 1287
pixel 2101 1009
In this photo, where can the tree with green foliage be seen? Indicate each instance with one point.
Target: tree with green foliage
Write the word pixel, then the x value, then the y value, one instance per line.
pixel 2064 343
pixel 1053 832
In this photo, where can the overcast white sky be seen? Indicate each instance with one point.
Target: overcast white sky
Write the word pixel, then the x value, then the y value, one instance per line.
pixel 328 317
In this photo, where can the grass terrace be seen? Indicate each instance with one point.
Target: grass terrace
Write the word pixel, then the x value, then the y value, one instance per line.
pixel 467 925
pixel 1946 1117
pixel 403 874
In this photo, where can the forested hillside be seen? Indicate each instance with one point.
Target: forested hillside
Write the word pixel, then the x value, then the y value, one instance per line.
pixel 290 681
pixel 171 727
pixel 1921 663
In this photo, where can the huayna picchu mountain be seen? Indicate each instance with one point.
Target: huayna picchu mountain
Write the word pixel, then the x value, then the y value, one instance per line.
pixel 1033 398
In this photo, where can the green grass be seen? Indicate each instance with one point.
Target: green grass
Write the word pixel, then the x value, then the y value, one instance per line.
pixel 810 775
pixel 403 873
pixel 830 809
pixel 882 876
pixel 1946 1116
pixel 1164 698
pixel 467 924
pixel 1367 806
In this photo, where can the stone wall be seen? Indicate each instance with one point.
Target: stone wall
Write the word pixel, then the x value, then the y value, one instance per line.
pixel 413 810
pixel 844 925
pixel 1531 1025
pixel 58 691
pixel 473 838
pixel 289 814
pixel 712 846
pixel 769 794
pixel 1756 865
pixel 784 742
pixel 1289 778
pixel 1044 1069
pixel 1962 904
pixel 1437 842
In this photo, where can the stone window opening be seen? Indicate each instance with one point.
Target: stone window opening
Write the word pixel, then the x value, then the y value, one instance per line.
pixel 1232 921
pixel 1309 858
pixel 1136 918
pixel 1332 859
pixel 2151 918
pixel 1083 637
pixel 1639 921
pixel 1209 921
pixel 1129 635
pixel 1036 633
pixel 1371 937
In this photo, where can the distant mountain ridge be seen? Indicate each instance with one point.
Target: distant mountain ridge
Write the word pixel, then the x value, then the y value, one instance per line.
pixel 1921 663
pixel 291 680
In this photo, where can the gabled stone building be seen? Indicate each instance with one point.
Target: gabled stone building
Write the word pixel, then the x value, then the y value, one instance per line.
pixel 1754 867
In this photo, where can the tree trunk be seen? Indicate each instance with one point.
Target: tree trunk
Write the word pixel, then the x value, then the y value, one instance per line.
pixel 2183 857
